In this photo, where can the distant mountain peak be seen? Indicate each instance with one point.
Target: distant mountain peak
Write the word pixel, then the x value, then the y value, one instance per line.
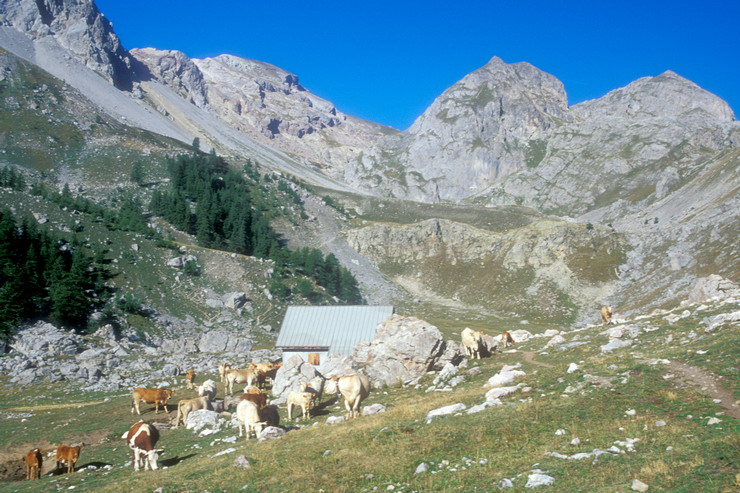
pixel 668 95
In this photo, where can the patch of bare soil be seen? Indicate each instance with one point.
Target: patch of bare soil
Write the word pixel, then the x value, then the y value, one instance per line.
pixel 12 462
pixel 529 358
pixel 707 382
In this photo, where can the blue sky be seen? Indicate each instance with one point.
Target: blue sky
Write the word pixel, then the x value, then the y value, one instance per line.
pixel 386 61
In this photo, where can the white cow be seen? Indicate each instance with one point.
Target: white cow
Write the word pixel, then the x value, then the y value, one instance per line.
pixel 248 415
pixel 301 399
pixel 207 389
pixel 354 388
pixel 472 342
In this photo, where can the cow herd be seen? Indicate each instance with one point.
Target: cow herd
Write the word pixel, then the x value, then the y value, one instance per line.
pixel 477 344
pixel 253 411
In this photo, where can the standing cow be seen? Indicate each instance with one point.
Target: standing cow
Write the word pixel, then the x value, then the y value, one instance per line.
pixel 150 396
pixel 142 439
pixel 472 342
pixel 34 461
pixel 354 388
pixel 606 314
pixel 190 379
pixel 68 455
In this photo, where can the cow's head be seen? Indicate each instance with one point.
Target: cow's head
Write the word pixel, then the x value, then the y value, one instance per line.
pixel 168 392
pixel 331 386
pixel 153 458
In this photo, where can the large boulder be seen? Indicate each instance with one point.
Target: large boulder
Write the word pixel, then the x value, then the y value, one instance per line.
pixel 403 349
pixel 710 287
pixel 293 371
pixel 221 341
pixel 45 340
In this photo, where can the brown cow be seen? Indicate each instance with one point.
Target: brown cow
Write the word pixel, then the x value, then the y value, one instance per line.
pixel 506 339
pixel 142 437
pixel 259 399
pixel 151 396
pixel 189 379
pixel 68 455
pixel 34 461
pixel 606 314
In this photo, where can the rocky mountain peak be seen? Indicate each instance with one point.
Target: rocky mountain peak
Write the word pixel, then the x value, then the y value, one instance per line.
pixel 78 26
pixel 176 70
pixel 667 95
pixel 479 130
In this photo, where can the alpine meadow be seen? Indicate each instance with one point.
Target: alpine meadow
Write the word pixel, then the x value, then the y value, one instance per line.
pixel 213 279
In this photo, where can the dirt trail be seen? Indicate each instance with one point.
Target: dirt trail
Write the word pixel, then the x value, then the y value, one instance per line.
pixel 529 358
pixel 708 383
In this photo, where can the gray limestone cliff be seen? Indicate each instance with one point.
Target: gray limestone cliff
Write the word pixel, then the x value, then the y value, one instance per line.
pixel 78 26
pixel 268 104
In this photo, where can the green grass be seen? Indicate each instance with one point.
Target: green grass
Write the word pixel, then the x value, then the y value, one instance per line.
pixel 376 451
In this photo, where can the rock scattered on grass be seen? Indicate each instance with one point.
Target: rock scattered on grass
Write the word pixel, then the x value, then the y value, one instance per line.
pixel 638 485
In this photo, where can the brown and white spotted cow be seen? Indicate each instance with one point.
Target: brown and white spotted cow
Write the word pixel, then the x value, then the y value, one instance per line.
pixel 150 396
pixel 69 456
pixel 142 439
pixel 34 461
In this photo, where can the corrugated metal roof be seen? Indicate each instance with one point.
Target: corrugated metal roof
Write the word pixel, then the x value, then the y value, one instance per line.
pixel 337 328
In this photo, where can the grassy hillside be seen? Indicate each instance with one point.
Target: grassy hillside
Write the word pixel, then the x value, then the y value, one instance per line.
pixel 672 446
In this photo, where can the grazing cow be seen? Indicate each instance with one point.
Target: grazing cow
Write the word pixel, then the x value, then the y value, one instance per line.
pixel 34 461
pixel 68 455
pixel 151 396
pixel 506 339
pixel 142 439
pixel 239 376
pixel 187 406
pixel 190 379
pixel 208 389
pixel 354 388
pixel 471 341
pixel 301 399
pixel 248 415
pixel 222 369
pixel 259 399
pixel 606 314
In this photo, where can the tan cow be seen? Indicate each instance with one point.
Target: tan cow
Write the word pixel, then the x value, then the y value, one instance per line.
pixel 68 455
pixel 190 379
pixel 472 342
pixel 506 339
pixel 187 406
pixel 239 376
pixel 354 388
pixel 316 387
pixel 222 369
pixel 301 399
pixel 151 396
pixel 34 461
pixel 248 416
pixel 606 314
